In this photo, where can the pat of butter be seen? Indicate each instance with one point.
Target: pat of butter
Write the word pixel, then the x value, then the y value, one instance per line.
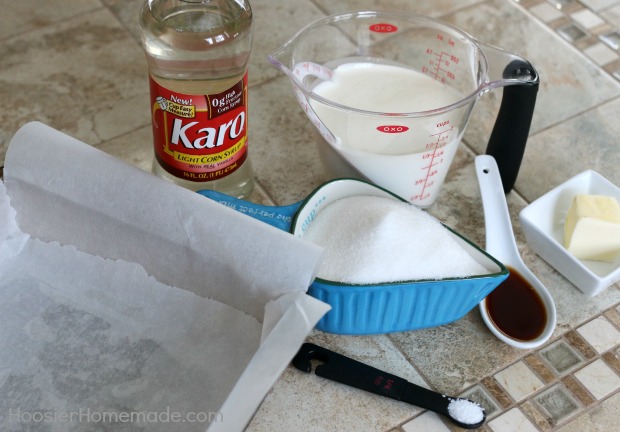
pixel 592 228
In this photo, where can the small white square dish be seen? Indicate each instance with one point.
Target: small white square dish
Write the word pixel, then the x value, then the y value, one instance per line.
pixel 543 224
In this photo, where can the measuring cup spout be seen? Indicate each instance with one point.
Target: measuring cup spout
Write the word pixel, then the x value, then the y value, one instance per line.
pixel 281 57
pixel 520 81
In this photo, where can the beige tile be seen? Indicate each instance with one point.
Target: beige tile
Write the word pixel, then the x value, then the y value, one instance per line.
pixel 598 378
pixel 512 420
pixel 519 381
pixel 601 54
pixel 73 75
pixel 281 142
pixel 612 15
pixel 601 334
pixel 587 141
pixel 546 12
pixel 599 5
pixel 25 15
pixel 134 148
pixel 127 11
pixel 603 418
pixel 122 117
pixel 428 421
pixel 587 19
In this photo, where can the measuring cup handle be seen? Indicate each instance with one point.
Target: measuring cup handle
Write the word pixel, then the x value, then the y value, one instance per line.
pixel 512 127
pixel 277 216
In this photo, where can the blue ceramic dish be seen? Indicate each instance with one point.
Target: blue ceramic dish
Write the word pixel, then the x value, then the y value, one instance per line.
pixel 378 308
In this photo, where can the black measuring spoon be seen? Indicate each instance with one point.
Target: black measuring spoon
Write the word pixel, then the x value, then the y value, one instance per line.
pixel 345 370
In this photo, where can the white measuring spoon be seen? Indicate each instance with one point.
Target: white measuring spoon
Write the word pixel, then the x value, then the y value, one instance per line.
pixel 501 244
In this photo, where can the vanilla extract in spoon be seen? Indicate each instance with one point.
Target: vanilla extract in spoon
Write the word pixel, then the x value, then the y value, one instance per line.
pixel 523 312
pixel 516 309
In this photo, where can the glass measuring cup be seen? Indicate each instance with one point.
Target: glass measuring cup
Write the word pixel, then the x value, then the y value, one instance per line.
pixel 405 151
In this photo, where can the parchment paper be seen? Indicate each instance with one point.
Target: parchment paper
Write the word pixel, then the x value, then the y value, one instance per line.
pixel 129 303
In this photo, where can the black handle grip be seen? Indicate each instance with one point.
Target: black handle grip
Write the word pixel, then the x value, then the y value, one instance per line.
pixel 512 127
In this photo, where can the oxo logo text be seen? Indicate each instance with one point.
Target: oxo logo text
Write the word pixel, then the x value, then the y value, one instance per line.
pixel 383 28
pixel 392 129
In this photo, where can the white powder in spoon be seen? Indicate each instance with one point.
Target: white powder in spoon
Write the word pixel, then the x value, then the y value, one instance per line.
pixel 465 411
pixel 370 239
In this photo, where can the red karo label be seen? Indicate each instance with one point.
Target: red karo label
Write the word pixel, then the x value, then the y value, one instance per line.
pixel 200 137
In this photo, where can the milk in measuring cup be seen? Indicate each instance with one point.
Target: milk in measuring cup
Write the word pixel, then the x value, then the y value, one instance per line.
pixel 408 155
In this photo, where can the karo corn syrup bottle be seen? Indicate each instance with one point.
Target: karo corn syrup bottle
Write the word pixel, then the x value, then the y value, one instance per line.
pixel 197 53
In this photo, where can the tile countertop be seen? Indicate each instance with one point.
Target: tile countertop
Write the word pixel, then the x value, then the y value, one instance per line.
pixel 77 65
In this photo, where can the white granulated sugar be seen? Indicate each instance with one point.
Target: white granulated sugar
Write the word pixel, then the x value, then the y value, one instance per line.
pixel 369 239
pixel 465 411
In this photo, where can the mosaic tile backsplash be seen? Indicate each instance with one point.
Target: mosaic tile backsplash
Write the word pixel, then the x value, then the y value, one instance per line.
pixel 592 26
pixel 559 381
pixel 549 387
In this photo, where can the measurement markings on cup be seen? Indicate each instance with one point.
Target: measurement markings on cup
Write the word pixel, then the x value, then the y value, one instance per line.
pixel 434 158
pixel 441 61
pixel 440 66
